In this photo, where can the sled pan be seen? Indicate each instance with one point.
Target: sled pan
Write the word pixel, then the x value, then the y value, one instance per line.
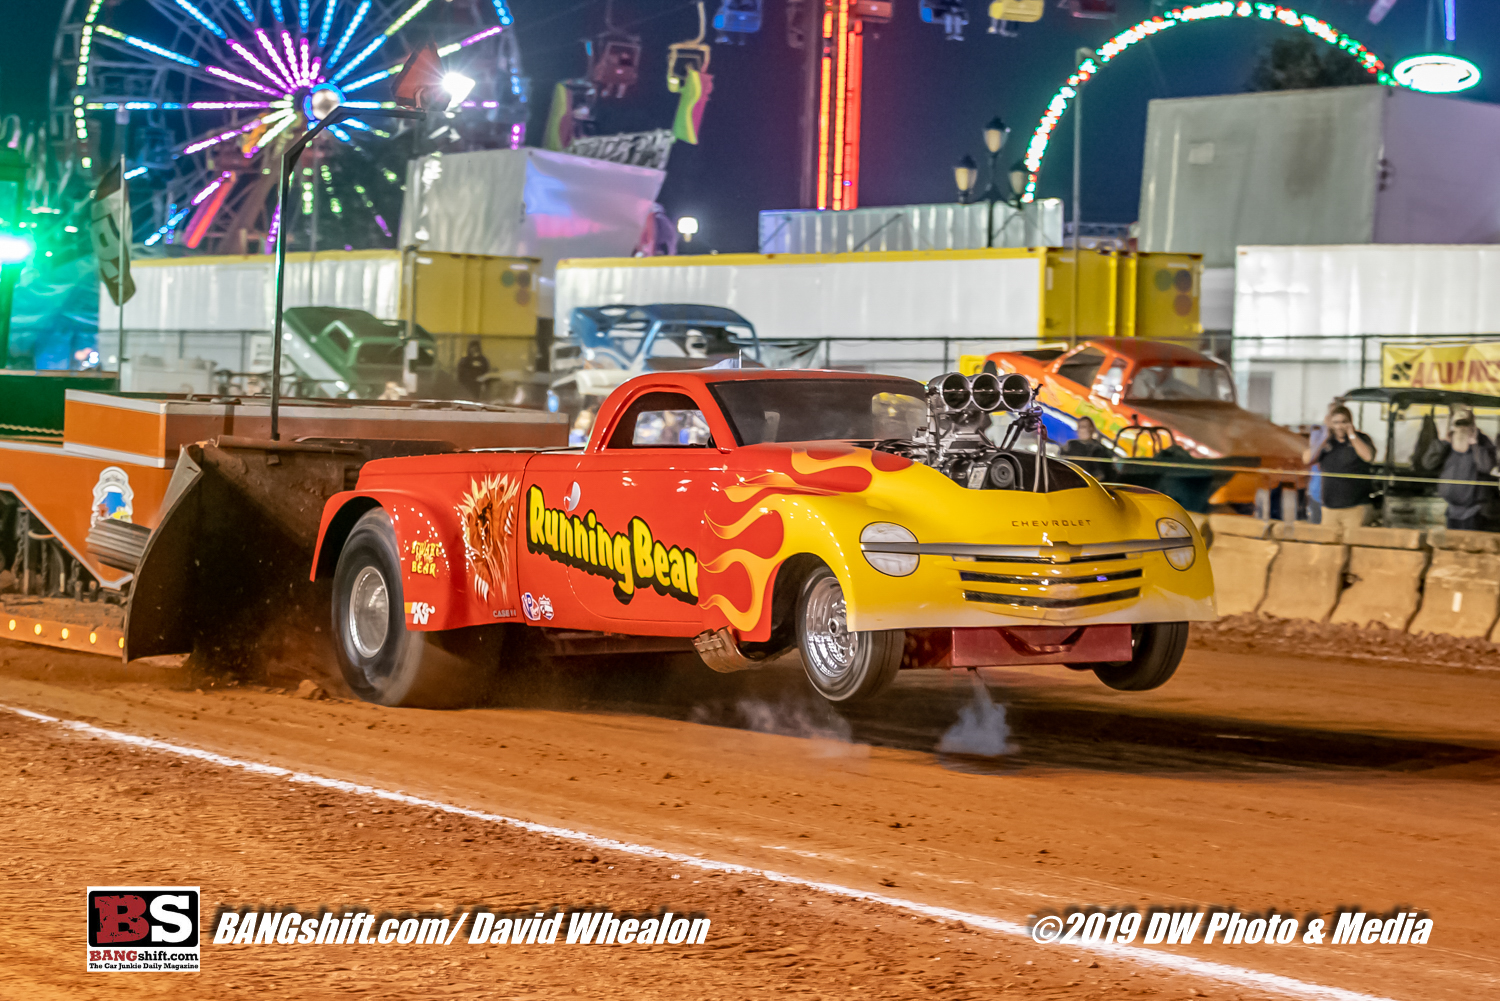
pixel 225 574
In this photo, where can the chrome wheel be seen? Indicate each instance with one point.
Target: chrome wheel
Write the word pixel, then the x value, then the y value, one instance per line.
pixel 369 612
pixel 842 666
pixel 832 650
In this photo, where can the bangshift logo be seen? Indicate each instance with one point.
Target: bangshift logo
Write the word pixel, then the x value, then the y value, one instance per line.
pixel 143 929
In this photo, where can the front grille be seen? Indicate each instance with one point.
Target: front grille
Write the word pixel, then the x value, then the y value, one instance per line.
pixel 1044 560
pixel 1038 601
pixel 972 577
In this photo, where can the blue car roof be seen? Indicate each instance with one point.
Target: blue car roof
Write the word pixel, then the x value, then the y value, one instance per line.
pixel 593 325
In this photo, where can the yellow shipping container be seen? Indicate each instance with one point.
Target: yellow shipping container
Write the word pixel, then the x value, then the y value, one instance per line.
pixel 1124 294
pixel 464 297
pixel 458 297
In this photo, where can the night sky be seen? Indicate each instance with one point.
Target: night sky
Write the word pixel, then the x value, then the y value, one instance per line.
pixel 926 99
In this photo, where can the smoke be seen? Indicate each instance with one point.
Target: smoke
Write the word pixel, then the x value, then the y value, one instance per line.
pixel 829 735
pixel 981 730
pixel 793 720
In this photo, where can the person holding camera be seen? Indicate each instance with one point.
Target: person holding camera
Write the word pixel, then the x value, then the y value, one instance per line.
pixel 1343 456
pixel 1465 457
pixel 1088 444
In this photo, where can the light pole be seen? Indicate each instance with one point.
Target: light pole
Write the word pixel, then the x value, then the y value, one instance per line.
pixel 419 88
pixel 1017 178
pixel 966 176
pixel 1080 55
pixel 288 171
pixel 995 134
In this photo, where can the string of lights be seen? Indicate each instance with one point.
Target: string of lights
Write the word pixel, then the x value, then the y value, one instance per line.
pixel 1036 150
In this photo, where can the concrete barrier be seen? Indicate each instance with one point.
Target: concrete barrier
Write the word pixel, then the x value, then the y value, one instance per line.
pixel 1303 531
pixel 1386 538
pixel 1383 584
pixel 1240 567
pixel 1384 587
pixel 1305 580
pixel 1240 525
pixel 1461 594
pixel 1463 541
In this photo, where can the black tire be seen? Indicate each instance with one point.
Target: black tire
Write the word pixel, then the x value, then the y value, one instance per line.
pixel 395 666
pixel 842 666
pixel 1158 650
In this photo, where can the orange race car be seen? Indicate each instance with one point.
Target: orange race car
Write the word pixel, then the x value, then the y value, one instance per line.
pixel 1124 384
pixel 864 520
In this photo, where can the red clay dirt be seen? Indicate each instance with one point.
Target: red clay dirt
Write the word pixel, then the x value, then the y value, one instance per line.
pixel 1263 634
pixel 1248 781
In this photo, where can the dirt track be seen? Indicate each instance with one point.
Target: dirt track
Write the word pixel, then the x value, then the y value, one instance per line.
pixel 1249 782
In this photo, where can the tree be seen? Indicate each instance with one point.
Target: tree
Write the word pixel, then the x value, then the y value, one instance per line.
pixel 1302 63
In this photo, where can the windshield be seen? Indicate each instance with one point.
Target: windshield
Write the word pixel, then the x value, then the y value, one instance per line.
pixel 701 341
pixel 1182 382
pixel 772 410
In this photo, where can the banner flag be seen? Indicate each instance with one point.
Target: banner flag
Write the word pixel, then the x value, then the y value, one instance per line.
pixel 110 219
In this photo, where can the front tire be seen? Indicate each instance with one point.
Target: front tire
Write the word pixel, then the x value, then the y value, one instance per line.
pixel 842 666
pixel 1158 650
pixel 381 660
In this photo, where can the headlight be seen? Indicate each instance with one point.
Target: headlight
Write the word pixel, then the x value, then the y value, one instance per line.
pixel 1171 528
pixel 892 564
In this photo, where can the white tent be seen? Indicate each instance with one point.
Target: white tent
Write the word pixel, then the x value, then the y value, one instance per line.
pixel 527 203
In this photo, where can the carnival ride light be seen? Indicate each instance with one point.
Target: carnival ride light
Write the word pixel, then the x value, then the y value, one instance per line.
pixel 1436 73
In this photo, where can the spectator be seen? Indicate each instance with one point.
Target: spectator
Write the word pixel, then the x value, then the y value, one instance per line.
pixel 1088 444
pixel 1343 458
pixel 1316 439
pixel 1463 453
pixel 583 426
pixel 471 367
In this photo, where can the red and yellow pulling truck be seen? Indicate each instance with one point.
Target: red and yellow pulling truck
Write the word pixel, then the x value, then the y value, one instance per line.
pixel 865 520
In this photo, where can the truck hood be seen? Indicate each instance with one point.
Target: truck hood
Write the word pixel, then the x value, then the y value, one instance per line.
pixel 850 486
pixel 1227 429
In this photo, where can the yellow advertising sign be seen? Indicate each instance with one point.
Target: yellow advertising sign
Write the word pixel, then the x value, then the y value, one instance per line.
pixel 1460 368
pixel 1018 10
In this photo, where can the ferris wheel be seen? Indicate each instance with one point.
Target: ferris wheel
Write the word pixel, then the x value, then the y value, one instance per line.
pixel 199 97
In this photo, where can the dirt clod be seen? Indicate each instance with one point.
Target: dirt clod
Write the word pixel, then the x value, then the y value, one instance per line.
pixel 311 690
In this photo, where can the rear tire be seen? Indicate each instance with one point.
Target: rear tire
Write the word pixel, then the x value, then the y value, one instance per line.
pixel 1158 650
pixel 384 662
pixel 842 666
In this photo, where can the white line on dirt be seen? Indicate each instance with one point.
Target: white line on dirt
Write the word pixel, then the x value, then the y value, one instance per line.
pixel 1287 986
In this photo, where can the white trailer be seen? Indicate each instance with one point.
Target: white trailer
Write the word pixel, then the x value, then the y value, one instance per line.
pixel 974 298
pixel 907 312
pixel 1309 322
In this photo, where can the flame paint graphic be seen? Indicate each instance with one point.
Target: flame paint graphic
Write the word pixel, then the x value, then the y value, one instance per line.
pixel 759 569
pixel 487 514
pixel 752 521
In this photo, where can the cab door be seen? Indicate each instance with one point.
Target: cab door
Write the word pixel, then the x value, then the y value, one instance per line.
pixel 543 552
pixel 637 504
